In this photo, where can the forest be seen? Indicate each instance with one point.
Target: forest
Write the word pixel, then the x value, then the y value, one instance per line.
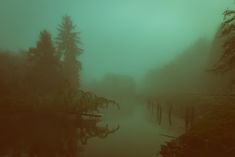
pixel 43 110
pixel 56 101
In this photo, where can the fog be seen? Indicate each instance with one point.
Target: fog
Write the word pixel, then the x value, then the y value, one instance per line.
pixel 136 33
pixel 150 77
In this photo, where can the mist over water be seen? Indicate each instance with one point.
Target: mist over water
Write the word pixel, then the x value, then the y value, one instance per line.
pixel 123 78
pixel 139 135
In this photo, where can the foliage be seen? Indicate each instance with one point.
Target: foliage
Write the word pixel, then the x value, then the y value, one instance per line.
pixel 227 60
pixel 43 110
pixel 211 135
pixel 68 50
pixel 43 75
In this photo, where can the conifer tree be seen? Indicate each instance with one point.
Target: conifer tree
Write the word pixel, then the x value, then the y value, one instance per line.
pixel 227 60
pixel 68 49
pixel 44 66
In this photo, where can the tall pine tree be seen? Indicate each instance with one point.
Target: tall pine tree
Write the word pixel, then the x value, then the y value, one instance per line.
pixel 68 49
pixel 44 66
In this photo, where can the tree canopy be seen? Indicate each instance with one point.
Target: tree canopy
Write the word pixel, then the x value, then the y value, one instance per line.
pixel 68 49
pixel 227 59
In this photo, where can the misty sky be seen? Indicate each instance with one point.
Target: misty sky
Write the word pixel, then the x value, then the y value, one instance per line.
pixel 119 36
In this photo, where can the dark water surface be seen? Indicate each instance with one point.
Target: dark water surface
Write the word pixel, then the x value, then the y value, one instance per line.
pixel 138 136
pixel 46 135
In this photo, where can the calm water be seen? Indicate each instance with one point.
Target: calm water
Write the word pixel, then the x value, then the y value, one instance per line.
pixel 138 136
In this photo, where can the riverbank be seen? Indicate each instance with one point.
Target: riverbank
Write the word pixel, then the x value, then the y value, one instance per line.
pixel 212 135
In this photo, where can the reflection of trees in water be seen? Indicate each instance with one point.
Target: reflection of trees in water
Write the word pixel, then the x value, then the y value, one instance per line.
pixel 185 110
pixel 40 133
pixel 52 130
pixel 56 121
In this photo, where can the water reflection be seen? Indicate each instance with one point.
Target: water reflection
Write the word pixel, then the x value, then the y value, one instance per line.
pixel 138 136
pixel 47 134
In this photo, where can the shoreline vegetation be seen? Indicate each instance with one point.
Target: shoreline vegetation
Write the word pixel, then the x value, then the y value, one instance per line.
pixel 212 133
pixel 43 111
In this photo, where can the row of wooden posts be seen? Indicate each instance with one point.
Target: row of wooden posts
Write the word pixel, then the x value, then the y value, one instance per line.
pixel 156 109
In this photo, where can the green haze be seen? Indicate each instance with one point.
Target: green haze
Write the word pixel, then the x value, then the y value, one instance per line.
pixel 139 34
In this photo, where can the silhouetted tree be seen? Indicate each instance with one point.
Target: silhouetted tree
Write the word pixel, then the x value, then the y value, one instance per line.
pixel 43 67
pixel 58 117
pixel 68 50
pixel 227 60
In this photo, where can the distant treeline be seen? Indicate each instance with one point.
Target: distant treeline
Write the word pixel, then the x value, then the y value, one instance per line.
pixel 202 76
pixel 114 86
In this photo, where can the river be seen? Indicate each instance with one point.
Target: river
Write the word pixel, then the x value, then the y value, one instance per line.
pixel 139 135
